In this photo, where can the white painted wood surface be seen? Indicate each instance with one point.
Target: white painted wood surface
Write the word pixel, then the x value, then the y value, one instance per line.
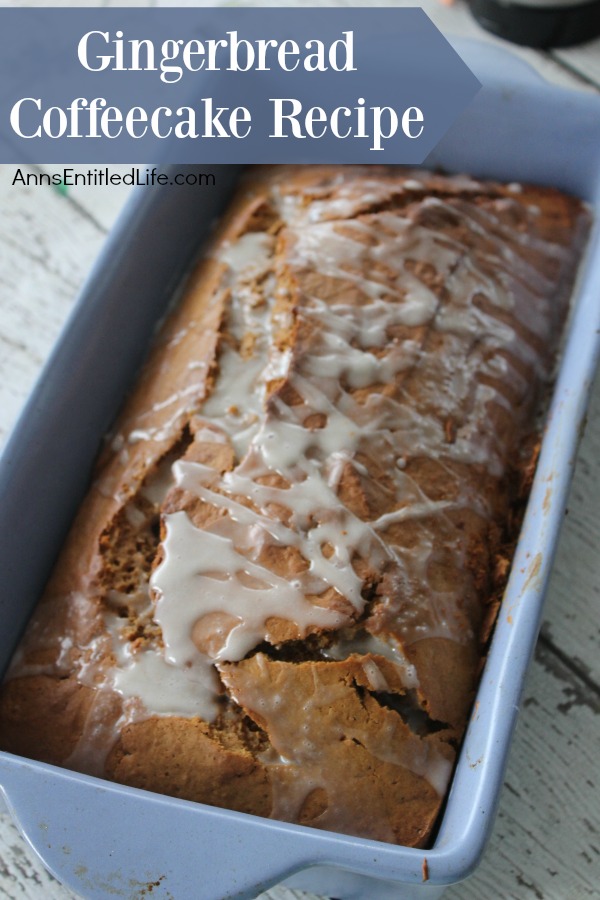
pixel 546 842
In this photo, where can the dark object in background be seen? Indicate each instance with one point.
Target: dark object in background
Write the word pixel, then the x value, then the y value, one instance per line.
pixel 556 23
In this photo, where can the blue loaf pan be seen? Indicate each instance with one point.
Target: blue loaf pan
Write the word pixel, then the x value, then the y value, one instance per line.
pixel 103 839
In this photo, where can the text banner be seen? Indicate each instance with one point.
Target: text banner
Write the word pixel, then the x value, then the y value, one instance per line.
pixel 226 85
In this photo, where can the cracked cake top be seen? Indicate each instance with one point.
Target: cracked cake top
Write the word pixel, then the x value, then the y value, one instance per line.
pixel 275 595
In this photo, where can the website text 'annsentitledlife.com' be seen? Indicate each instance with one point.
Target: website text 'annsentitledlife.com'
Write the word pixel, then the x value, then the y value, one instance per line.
pixel 102 176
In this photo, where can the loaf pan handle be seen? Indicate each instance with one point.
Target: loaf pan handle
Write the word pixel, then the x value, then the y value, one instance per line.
pixel 103 840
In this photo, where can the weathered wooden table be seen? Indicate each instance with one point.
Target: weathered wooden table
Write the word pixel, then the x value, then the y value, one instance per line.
pixel 546 843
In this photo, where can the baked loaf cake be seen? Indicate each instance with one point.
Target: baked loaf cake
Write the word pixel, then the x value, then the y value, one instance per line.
pixel 276 594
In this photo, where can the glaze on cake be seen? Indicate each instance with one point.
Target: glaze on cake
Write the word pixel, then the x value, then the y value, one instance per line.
pixel 276 596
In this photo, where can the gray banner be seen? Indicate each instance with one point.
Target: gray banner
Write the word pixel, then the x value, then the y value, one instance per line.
pixel 226 85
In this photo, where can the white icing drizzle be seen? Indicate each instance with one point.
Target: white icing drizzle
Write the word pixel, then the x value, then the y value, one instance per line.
pixel 200 576
pixel 100 731
pixel 366 389
pixel 407 302
pixel 366 644
pixel 165 689
pixel 237 399
pixel 349 350
pixel 163 431
pixel 301 498
pixel 375 677
pixel 248 255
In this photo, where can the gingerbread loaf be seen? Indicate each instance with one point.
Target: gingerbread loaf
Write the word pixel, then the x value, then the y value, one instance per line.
pixel 276 596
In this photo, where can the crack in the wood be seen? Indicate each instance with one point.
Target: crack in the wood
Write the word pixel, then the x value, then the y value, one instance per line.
pixel 512 790
pixel 14 344
pixel 546 648
pixel 529 885
pixel 572 70
pixel 42 260
pixel 80 209
pixel 87 215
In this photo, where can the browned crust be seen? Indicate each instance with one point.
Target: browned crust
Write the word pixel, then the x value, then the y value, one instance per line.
pixel 44 707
